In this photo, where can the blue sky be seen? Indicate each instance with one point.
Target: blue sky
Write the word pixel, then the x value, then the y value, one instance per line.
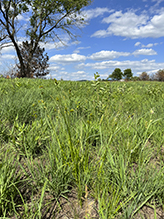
pixel 119 34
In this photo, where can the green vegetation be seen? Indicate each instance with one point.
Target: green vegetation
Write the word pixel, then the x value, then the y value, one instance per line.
pixel 116 74
pixel 128 74
pixel 144 76
pixel 95 146
pixel 48 20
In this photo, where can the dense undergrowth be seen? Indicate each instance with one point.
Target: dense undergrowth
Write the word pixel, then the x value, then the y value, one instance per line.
pixel 102 140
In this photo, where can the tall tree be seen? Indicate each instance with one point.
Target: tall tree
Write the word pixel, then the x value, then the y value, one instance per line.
pixel 128 74
pixel 144 76
pixel 159 76
pixel 37 67
pixel 116 74
pixel 47 20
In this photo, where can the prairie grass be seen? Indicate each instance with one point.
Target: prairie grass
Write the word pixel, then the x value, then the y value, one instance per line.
pixel 102 141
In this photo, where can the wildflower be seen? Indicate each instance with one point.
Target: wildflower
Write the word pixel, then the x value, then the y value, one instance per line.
pixel 152 111
pixel 40 101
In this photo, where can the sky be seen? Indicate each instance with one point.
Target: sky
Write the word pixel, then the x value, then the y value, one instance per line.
pixel 118 34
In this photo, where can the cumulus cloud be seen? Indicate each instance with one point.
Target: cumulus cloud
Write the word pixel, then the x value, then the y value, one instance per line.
pixel 148 45
pixel 131 25
pixel 81 65
pixel 80 72
pixel 136 66
pixel 148 52
pixel 77 75
pixel 68 59
pixel 107 55
pixel 54 68
pixel 59 44
pixel 93 13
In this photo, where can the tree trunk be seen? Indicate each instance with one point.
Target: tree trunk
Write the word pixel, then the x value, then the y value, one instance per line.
pixel 22 73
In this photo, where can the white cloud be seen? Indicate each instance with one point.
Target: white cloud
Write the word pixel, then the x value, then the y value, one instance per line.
pixel 81 65
pixel 8 49
pixel 54 67
pixel 93 13
pixel 137 44
pixel 157 2
pixel 80 48
pixel 106 55
pixel 87 47
pixel 21 17
pixel 131 25
pixel 59 44
pixel 149 72
pixel 49 46
pixel 79 75
pixel 136 66
pixel 8 56
pixel 144 52
pixel 148 45
pixel 100 33
pixel 63 72
pixel 80 72
pixel 76 51
pixel 67 59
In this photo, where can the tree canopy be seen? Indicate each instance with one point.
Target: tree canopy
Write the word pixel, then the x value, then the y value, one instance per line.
pixel 128 73
pixel 144 76
pixel 116 74
pixel 159 76
pixel 37 67
pixel 37 21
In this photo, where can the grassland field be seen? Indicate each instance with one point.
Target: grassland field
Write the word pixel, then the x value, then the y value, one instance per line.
pixel 81 149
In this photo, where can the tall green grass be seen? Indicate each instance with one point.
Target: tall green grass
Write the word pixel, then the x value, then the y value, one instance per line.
pixel 58 137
